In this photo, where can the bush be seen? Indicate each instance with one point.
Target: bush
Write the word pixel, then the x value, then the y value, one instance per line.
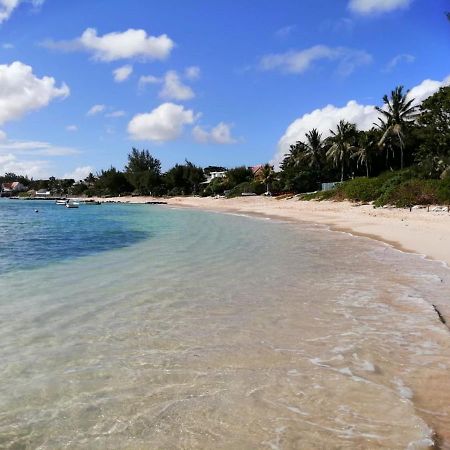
pixel 247 187
pixel 443 191
pixel 411 192
pixel 361 189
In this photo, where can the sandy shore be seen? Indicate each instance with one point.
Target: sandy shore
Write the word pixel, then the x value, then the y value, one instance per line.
pixel 416 231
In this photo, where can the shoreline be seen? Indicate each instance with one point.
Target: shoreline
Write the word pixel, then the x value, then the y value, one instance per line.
pixel 417 231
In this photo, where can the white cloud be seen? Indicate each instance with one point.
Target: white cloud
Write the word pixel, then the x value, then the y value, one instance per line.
pixel 122 73
pixel 79 173
pixel 7 46
pixel 116 114
pixel 96 109
pixel 118 45
pixel 71 128
pixel 35 168
pixel 35 148
pixel 148 79
pixel 164 123
pixel 21 91
pixel 428 87
pixel 367 7
pixel 328 117
pixel 174 89
pixel 284 32
pixel 297 62
pixel 220 134
pixel 192 73
pixel 8 6
pixel 396 60
pixel 2 135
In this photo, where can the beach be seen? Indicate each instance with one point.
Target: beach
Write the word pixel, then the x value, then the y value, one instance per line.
pixel 418 231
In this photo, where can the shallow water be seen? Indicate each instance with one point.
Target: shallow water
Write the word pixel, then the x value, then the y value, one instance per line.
pixel 215 331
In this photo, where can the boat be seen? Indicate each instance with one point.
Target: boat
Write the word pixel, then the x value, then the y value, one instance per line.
pixel 70 204
pixel 61 202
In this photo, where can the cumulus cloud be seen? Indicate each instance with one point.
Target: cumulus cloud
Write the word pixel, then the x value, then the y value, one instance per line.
pixel 96 109
pixel 368 7
pixel 79 173
pixel 164 123
pixel 122 73
pixel 22 91
pixel 297 62
pixel 115 46
pixel 328 117
pixel 174 89
pixel 399 59
pixel 71 128
pixel 8 6
pixel 220 134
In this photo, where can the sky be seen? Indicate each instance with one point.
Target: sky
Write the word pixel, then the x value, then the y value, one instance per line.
pixel 213 81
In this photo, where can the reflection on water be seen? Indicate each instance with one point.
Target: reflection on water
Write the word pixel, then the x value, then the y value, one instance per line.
pixel 226 332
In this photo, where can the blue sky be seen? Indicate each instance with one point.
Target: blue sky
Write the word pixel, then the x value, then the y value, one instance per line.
pixel 214 81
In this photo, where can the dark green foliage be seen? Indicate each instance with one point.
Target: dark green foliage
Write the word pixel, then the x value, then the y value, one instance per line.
pixel 253 187
pixel 143 171
pixel 361 189
pixel 184 179
pixel 112 182
pixel 239 175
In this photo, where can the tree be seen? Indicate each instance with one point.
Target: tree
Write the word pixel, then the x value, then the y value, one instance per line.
pixel 434 131
pixel 112 182
pixel 398 111
pixel 313 148
pixel 343 144
pixel 143 171
pixel 267 176
pixel 239 175
pixel 184 179
pixel 365 150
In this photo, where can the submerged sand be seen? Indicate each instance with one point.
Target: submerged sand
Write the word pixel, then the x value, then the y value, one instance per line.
pixel 417 231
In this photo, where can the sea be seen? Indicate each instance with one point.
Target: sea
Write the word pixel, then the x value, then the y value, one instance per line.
pixel 151 327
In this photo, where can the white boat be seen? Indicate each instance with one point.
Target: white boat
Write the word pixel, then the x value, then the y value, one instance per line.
pixel 71 204
pixel 61 202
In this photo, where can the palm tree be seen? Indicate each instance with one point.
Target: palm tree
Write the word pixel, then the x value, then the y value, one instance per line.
pixel 342 144
pixel 365 150
pixel 267 176
pixel 397 112
pixel 313 148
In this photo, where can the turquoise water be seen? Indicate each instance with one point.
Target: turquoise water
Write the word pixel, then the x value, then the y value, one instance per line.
pixel 174 328
pixel 31 239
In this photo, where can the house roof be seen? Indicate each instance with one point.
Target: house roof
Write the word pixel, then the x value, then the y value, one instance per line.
pixel 7 185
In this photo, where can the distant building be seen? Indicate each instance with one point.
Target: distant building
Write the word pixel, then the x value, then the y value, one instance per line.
pixel 213 175
pixel 330 186
pixel 43 193
pixel 257 171
pixel 13 187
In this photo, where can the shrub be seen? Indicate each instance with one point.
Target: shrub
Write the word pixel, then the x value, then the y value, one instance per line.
pixel 443 191
pixel 254 187
pixel 411 192
pixel 361 189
